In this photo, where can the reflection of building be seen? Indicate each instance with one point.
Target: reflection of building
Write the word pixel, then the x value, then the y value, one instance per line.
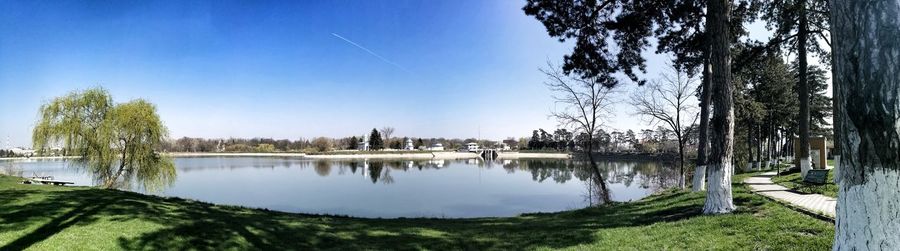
pixel 409 145
pixel 436 162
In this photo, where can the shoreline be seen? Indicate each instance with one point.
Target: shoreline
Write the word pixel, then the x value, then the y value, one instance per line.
pixel 447 155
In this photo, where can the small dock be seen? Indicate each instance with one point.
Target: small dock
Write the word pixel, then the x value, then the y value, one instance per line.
pixel 47 180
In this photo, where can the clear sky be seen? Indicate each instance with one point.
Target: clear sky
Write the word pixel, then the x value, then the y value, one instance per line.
pixel 288 70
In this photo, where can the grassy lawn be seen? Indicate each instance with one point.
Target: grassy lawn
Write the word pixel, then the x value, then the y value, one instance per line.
pixel 45 217
pixel 795 182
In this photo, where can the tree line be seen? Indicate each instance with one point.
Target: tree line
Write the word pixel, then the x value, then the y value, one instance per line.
pixel 375 139
pixel 659 140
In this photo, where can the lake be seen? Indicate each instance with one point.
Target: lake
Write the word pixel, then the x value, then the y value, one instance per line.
pixel 393 188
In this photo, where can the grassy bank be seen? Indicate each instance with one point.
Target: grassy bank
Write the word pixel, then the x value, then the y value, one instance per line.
pixel 45 217
pixel 795 182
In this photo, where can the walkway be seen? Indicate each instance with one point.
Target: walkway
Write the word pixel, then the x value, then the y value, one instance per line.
pixel 811 203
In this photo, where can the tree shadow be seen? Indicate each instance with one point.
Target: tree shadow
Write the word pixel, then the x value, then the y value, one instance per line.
pixel 188 224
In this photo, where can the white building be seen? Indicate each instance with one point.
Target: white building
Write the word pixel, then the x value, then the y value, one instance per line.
pixel 409 145
pixel 363 144
pixel 472 147
pixel 22 151
pixel 437 147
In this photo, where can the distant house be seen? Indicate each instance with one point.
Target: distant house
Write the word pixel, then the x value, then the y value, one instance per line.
pixel 22 151
pixel 436 147
pixel 363 144
pixel 409 145
pixel 472 147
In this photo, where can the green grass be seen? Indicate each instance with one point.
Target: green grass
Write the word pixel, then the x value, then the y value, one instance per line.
pixel 45 217
pixel 795 182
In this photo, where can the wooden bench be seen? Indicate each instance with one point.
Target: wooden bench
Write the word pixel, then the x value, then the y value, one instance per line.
pixel 816 176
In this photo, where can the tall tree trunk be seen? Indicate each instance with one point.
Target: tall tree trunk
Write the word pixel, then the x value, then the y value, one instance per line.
pixel 603 191
pixel 750 165
pixel 835 123
pixel 718 197
pixel 759 144
pixel 681 163
pixel 867 70
pixel 803 91
pixel 700 169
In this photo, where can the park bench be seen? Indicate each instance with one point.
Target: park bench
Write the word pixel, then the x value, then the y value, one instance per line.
pixel 816 176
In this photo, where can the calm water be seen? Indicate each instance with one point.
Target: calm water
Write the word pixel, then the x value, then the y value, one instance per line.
pixel 393 188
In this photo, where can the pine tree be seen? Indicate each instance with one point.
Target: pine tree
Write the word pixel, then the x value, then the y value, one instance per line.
pixel 375 141
pixel 353 144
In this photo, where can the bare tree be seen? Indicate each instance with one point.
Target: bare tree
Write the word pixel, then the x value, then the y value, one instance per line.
pixel 387 131
pixel 668 100
pixel 585 105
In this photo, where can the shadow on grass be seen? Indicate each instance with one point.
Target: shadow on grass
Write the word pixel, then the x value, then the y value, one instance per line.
pixel 197 225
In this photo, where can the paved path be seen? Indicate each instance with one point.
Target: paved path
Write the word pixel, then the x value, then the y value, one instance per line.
pixel 813 203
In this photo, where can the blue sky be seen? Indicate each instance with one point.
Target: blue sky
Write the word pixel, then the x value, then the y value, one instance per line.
pixel 284 70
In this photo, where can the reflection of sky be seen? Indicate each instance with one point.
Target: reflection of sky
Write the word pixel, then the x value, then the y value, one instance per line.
pixel 449 189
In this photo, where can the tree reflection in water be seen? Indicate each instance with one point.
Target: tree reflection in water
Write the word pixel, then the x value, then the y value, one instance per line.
pixel 650 175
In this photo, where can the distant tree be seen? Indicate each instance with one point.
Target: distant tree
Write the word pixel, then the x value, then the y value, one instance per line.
pixel 523 143
pixel 239 148
pixel 668 101
pixel 116 142
pixel 282 145
pixel 265 148
pixel 631 139
pixel 562 137
pixel 375 141
pixel 617 138
pixel 547 139
pixel 387 132
pixel 322 144
pixel 535 142
pixel 394 144
pixel 419 143
pixel 602 139
pixel 353 144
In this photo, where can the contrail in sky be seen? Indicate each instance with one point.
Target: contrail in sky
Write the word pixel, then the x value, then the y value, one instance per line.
pixel 371 52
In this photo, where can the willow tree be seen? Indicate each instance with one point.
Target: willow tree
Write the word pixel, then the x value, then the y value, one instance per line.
pixel 115 142
pixel 867 75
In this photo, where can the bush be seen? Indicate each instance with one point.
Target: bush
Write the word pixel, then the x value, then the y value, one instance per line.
pixel 239 148
pixel 322 144
pixel 265 148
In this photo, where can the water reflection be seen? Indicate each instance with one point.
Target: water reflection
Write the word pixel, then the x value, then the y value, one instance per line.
pixel 400 188
pixel 650 175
